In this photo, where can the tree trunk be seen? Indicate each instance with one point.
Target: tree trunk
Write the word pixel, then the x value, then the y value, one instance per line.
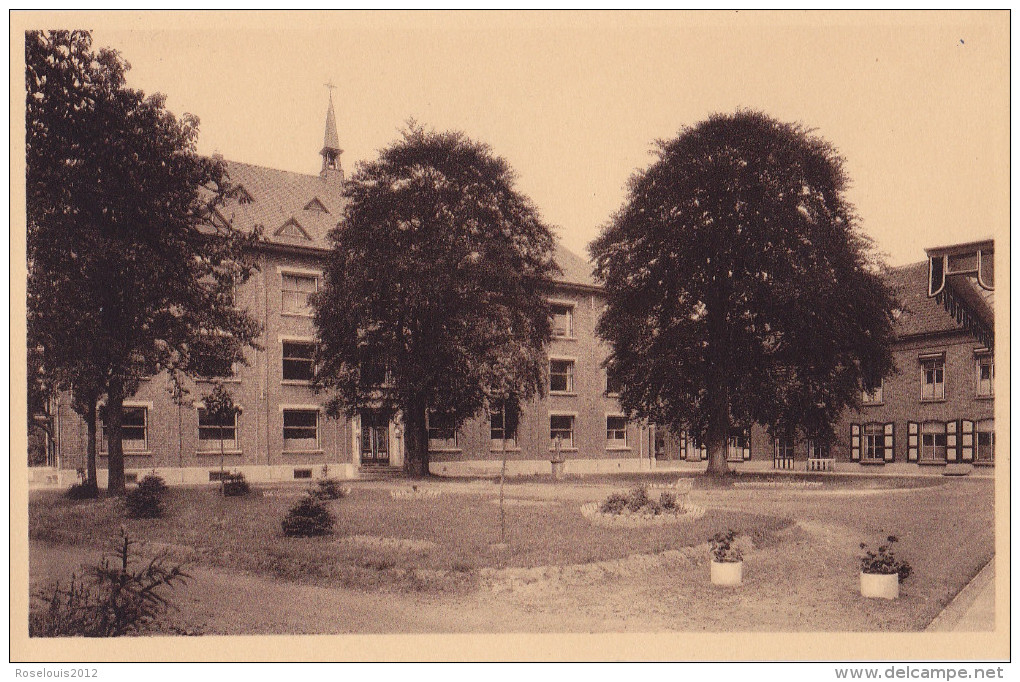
pixel 91 419
pixel 114 445
pixel 416 440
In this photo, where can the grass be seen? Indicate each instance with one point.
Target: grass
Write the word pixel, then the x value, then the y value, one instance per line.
pixel 455 532
pixel 708 482
pixel 801 577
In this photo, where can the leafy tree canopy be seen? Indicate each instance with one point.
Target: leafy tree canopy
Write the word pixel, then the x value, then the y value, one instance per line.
pixel 739 287
pixel 434 286
pixel 129 271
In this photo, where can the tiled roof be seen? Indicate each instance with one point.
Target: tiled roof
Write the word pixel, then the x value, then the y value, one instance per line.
pixel 279 197
pixel 576 270
pixel 920 314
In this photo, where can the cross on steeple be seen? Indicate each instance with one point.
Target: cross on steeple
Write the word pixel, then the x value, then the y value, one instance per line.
pixel 329 84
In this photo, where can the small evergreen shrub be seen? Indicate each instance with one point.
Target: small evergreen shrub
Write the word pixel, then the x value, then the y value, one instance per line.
pixel 308 518
pixel 82 491
pixel 146 501
pixel 668 501
pixel 235 485
pixel 330 489
pixel 614 504
pixel 121 595
pixel 638 498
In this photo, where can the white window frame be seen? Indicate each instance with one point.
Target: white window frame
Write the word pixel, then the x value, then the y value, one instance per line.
pixel 284 409
pixel 314 275
pixel 283 358
pixel 497 443
pixel 567 445
pixel 928 451
pixel 980 384
pixel 785 448
pixel 129 446
pixel 938 388
pixel 569 307
pixel 616 443
pixel 212 445
pixel 873 442
pixel 571 376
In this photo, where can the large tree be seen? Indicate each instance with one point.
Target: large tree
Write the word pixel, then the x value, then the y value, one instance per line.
pixel 129 272
pixel 433 295
pixel 739 286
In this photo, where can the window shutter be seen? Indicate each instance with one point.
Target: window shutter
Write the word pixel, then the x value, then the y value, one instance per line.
pixel 855 442
pixel 967 440
pixel 890 451
pixel 951 447
pixel 912 436
pixel 683 444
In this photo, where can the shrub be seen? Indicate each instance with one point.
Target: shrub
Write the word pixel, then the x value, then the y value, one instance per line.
pixel 82 491
pixel 330 489
pixel 119 598
pixel 723 550
pixel 235 485
pixel 146 501
pixel 637 498
pixel 668 501
pixel 884 560
pixel 308 518
pixel 614 504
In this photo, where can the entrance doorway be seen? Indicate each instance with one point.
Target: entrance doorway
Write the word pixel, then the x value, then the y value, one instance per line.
pixel 375 438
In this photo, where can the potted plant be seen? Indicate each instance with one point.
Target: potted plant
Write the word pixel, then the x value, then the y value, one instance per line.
pixel 882 572
pixel 727 561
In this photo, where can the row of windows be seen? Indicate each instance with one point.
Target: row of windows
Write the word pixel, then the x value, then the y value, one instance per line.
pixel 933 379
pixel 301 431
pixel 928 441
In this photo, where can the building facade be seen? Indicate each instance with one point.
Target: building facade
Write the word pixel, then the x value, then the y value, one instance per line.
pixel 937 410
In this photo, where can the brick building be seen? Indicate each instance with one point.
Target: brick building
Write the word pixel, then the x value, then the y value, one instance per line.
pixel 937 409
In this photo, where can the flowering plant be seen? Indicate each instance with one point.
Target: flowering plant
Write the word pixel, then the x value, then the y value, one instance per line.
pixel 884 561
pixel 723 550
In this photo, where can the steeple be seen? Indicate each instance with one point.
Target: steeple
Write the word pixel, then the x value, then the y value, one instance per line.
pixel 331 169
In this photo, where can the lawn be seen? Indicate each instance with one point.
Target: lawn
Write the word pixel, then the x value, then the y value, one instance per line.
pixel 801 576
pixel 452 534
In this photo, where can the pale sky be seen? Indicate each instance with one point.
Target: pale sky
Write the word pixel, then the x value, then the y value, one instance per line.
pixel 918 104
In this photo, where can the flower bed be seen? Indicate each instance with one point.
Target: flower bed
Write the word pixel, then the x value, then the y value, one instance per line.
pixel 629 519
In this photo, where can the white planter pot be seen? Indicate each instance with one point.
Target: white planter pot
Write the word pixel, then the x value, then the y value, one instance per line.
pixel 880 585
pixel 727 573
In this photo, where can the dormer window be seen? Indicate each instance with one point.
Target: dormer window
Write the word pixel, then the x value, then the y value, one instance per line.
pixel 293 229
pixel 242 195
pixel 316 206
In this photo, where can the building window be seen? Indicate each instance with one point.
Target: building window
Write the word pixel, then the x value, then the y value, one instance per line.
pixel 212 434
pixel 613 383
pixel 985 375
pixel 298 361
pixel 561 427
pixel 818 449
pixel 933 442
pixel 296 292
pixel 300 430
pixel 562 320
pixel 497 431
pixel 933 378
pixel 561 376
pixel 738 445
pixel 616 432
pixel 784 448
pixel 133 431
pixel 442 433
pixel 873 391
pixel 984 443
pixel 874 443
